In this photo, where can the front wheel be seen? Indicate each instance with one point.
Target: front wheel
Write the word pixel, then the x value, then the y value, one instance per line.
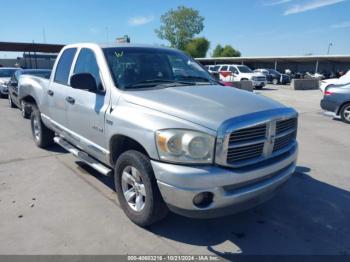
pixel 24 111
pixel 137 189
pixel 11 104
pixel 345 113
pixel 275 81
pixel 43 137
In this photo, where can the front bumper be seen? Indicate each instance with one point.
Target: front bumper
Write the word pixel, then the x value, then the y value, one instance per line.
pixel 259 83
pixel 4 90
pixel 233 191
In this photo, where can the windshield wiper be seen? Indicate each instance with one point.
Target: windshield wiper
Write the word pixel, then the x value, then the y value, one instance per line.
pixel 200 78
pixel 158 82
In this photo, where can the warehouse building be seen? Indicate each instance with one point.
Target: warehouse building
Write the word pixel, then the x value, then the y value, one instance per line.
pixel 311 64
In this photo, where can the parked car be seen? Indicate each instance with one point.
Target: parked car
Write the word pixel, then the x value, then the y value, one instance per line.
pixel 13 88
pixel 178 142
pixel 337 100
pixel 273 76
pixel 5 76
pixel 231 73
pixel 343 80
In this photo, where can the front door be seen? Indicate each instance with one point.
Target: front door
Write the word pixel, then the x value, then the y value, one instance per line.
pixel 86 109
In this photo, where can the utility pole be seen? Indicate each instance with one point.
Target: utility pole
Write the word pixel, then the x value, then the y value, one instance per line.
pixel 44 35
pixel 329 47
pixel 107 34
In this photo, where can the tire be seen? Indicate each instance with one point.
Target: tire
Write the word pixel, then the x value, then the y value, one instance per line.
pixel 11 104
pixel 275 81
pixel 43 137
pixel 258 87
pixel 152 207
pixel 345 113
pixel 24 112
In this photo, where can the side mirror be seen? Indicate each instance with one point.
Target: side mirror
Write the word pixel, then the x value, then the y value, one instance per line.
pixel 83 81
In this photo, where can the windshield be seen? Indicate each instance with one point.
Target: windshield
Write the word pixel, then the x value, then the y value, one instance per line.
pixel 244 69
pixel 136 67
pixel 7 72
pixel 41 73
pixel 272 71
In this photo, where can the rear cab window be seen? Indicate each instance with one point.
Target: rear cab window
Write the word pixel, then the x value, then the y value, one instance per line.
pixel 64 65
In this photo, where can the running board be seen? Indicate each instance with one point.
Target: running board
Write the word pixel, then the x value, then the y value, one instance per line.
pixel 84 157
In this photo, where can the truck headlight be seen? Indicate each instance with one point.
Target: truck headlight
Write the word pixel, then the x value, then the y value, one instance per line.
pixel 185 146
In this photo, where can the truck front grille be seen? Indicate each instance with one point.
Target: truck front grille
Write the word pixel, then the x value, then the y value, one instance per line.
pixel 247 143
pixel 257 143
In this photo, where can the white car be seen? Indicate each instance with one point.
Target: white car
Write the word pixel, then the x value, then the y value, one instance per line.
pixel 5 75
pixel 345 79
pixel 231 73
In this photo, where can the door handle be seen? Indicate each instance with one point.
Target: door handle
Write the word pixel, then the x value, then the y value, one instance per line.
pixel 50 92
pixel 70 100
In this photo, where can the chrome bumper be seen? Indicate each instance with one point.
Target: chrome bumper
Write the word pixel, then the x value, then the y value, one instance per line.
pixel 233 191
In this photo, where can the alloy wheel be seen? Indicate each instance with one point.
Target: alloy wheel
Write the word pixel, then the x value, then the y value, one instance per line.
pixel 133 188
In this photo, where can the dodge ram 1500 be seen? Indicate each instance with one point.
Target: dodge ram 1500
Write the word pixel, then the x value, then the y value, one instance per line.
pixel 171 136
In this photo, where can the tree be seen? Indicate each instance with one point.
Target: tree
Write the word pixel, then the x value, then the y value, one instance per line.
pixel 226 51
pixel 180 26
pixel 197 47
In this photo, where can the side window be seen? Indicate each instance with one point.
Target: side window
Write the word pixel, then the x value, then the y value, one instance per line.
pixel 223 68
pixel 64 65
pixel 86 63
pixel 234 70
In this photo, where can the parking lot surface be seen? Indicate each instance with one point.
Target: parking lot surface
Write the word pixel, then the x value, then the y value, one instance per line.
pixel 52 204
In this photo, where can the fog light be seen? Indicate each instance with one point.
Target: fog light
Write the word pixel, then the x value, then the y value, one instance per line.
pixel 203 199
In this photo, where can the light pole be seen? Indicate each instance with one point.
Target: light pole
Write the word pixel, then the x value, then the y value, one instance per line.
pixel 329 48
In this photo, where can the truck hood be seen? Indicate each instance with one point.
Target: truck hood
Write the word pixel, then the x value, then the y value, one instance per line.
pixel 4 80
pixel 208 105
pixel 250 75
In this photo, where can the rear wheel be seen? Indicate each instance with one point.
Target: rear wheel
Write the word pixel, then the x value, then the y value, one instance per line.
pixel 345 113
pixel 43 137
pixel 137 189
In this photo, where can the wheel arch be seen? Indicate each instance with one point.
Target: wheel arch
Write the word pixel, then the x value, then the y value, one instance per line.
pixel 341 106
pixel 119 144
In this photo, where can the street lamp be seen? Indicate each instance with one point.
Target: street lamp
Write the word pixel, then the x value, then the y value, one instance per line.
pixel 329 48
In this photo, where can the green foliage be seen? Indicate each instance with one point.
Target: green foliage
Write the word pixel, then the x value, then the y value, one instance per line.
pixel 180 26
pixel 197 47
pixel 226 51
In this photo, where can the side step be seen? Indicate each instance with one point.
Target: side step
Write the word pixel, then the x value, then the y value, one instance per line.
pixel 104 170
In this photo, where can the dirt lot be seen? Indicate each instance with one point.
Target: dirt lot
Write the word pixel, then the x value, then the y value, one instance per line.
pixel 51 204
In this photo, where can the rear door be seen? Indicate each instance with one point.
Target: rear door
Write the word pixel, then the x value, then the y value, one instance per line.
pixel 86 109
pixel 59 89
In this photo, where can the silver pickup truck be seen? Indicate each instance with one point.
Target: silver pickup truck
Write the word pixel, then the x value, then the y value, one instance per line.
pixel 169 133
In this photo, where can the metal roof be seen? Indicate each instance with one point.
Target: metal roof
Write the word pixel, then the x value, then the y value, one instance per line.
pixel 30 47
pixel 311 58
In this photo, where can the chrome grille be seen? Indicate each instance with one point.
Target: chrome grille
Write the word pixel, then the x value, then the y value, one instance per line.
pixel 244 152
pixel 247 143
pixel 284 141
pixel 285 133
pixel 246 134
pixel 286 125
pixel 256 143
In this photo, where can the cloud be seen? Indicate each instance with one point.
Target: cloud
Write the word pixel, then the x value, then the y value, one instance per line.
pixel 277 2
pixel 345 24
pixel 140 20
pixel 296 9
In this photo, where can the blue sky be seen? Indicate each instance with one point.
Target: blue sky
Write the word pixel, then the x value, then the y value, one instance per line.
pixel 255 27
